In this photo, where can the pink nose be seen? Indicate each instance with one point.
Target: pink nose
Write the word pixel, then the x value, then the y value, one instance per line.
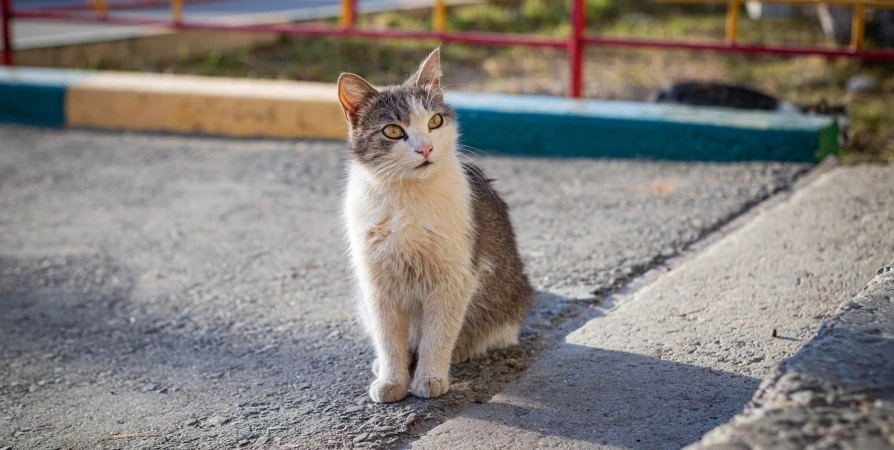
pixel 424 150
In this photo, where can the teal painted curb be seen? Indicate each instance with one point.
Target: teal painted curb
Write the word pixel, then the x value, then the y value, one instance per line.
pixel 35 96
pixel 559 127
pixel 538 126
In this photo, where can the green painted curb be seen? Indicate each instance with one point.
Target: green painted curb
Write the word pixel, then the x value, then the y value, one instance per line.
pixel 559 127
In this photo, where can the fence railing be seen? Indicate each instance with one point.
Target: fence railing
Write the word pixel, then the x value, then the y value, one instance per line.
pixel 100 11
pixel 858 25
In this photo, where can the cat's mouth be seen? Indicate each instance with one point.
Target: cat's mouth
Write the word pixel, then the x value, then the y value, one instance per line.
pixel 424 164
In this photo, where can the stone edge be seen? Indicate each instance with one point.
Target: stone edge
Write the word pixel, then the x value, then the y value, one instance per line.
pixel 836 392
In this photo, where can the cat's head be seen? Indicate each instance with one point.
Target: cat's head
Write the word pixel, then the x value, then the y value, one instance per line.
pixel 400 132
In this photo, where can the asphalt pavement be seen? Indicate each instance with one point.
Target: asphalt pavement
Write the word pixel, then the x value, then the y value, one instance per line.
pixel 195 290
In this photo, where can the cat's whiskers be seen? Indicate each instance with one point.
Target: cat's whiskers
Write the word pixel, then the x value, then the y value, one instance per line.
pixel 480 175
pixel 444 86
pixel 468 155
pixel 470 152
pixel 477 173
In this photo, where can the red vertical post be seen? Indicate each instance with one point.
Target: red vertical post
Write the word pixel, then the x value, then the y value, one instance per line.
pixel 6 22
pixel 576 48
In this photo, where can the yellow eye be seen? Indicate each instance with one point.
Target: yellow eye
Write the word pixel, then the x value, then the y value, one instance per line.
pixel 435 122
pixel 393 131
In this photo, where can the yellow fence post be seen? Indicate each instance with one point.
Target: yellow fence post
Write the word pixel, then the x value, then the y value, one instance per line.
pixel 440 15
pixel 858 26
pixel 177 11
pixel 732 22
pixel 347 13
pixel 102 9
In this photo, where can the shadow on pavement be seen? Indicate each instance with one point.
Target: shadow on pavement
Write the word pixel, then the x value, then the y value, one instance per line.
pixel 74 338
pixel 578 396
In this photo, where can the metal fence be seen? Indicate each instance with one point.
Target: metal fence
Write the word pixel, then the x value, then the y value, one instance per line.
pixel 100 11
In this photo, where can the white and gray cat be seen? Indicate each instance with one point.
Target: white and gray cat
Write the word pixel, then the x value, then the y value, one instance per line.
pixel 433 250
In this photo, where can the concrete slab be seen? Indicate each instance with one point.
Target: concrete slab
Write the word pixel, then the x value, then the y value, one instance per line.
pixel 685 353
pixel 836 392
pixel 196 289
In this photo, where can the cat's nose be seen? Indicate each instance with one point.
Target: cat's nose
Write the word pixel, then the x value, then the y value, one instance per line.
pixel 425 150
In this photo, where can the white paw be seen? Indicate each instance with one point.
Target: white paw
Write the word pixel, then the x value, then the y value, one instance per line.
pixel 382 391
pixel 427 387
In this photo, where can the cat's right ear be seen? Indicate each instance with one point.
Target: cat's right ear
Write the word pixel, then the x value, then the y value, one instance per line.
pixel 353 92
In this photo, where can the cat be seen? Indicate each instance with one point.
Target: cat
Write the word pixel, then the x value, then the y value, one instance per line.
pixel 701 93
pixel 432 246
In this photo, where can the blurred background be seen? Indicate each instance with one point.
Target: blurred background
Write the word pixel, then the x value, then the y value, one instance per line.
pixel 133 38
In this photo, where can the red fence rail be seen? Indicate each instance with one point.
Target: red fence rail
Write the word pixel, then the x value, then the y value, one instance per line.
pixel 6 36
pixel 574 44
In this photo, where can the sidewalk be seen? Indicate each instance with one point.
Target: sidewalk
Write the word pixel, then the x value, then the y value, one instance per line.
pixel 683 355
pixel 836 392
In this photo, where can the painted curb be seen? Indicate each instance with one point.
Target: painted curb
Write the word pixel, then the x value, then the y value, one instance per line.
pixel 837 390
pixel 502 124
pixel 206 105
pixel 35 96
pixel 553 126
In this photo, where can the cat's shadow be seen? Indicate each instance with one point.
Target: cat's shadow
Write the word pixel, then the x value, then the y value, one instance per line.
pixel 586 394
pixel 623 400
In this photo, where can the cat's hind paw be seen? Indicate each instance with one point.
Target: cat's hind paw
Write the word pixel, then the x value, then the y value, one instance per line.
pixel 427 387
pixel 382 391
pixel 460 355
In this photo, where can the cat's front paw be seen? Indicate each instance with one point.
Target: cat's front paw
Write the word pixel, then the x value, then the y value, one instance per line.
pixel 382 391
pixel 427 386
pixel 460 355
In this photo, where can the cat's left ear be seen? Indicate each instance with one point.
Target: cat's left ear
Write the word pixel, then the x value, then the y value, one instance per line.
pixel 429 73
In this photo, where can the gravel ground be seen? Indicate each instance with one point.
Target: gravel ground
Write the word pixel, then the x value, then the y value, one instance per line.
pixel 196 289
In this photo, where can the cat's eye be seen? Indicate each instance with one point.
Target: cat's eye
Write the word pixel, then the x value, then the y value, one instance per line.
pixel 435 122
pixel 393 131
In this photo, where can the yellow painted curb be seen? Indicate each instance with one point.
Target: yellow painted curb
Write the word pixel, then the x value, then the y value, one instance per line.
pixel 206 105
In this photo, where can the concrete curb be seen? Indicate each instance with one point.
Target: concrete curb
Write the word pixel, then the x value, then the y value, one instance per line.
pixel 836 392
pixel 518 125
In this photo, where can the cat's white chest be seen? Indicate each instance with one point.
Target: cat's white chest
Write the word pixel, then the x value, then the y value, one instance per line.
pixel 419 232
pixel 395 226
